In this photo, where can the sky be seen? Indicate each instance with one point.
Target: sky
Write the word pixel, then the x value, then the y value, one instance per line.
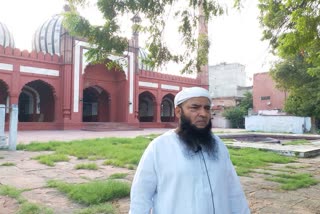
pixel 234 38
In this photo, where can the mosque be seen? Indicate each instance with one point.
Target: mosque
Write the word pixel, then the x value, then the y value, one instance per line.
pixel 56 88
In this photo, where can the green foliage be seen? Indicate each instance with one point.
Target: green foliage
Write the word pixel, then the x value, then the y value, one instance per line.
pixel 94 192
pixel 236 114
pixel 304 97
pixel 10 191
pixel 8 164
pixel 292 28
pixel 246 160
pixel 106 39
pixel 31 208
pixel 296 142
pixel 294 181
pixel 25 206
pixel 51 159
pixel 90 166
pixel 246 102
pixel 104 208
pixel 118 176
pixel 124 152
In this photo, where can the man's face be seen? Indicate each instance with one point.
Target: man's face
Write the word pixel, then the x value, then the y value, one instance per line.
pixel 197 110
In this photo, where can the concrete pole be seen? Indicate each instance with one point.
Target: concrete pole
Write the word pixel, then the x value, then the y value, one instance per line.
pixel 2 118
pixel 2 125
pixel 13 130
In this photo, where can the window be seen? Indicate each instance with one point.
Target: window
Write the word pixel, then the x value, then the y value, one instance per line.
pixel 265 98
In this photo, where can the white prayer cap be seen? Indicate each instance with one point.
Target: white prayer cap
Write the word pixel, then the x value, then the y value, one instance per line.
pixel 192 92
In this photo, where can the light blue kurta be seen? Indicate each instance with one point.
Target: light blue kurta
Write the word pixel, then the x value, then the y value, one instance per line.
pixel 169 180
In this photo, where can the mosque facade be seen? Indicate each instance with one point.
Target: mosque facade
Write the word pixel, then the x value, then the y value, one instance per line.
pixel 55 87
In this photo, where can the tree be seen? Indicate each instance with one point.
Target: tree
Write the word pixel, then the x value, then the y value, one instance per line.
pixel 292 28
pixel 246 102
pixel 236 114
pixel 304 90
pixel 106 39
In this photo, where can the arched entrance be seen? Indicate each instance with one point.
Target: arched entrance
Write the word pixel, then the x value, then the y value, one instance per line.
pixel 96 105
pixel 167 108
pixel 4 96
pixel 36 102
pixel 4 92
pixel 146 107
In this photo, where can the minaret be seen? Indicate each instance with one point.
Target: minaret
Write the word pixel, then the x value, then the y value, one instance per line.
pixel 203 76
pixel 134 43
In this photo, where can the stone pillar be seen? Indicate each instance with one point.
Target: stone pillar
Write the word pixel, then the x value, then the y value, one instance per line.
pixel 158 112
pixel 13 129
pixel 2 124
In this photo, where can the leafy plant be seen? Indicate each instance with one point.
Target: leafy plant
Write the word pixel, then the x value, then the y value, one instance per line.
pixel 94 192
pixel 107 39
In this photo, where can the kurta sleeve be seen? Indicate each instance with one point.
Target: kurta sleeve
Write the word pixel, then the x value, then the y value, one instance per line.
pixel 144 184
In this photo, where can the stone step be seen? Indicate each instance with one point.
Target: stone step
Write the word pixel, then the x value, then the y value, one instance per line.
pixel 109 126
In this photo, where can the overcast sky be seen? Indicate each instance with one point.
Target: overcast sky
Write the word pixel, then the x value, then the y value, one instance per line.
pixel 234 38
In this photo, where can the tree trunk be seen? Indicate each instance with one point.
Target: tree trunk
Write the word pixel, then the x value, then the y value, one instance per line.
pixel 313 129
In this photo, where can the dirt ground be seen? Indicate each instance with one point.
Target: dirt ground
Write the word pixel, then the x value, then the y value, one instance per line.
pixel 264 196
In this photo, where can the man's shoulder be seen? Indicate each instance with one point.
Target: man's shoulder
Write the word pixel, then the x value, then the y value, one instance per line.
pixel 164 139
pixel 165 136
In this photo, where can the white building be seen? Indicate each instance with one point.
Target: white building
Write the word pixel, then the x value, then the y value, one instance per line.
pixel 227 85
pixel 227 80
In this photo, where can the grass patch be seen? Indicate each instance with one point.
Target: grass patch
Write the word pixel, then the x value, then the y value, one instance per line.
pixel 31 208
pixel 295 167
pixel 294 181
pixel 51 159
pixel 89 166
pixel 104 208
pixel 11 192
pixel 246 160
pixel 118 176
pixel 94 192
pixel 25 206
pixel 296 142
pixel 123 152
pixel 126 152
pixel 225 140
pixel 8 164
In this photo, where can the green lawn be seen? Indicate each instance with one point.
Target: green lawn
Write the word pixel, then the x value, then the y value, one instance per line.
pixel 126 152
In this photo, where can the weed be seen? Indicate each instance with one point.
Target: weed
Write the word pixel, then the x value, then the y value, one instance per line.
pixel 90 166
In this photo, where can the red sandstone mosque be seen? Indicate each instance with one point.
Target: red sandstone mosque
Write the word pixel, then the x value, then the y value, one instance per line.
pixel 56 88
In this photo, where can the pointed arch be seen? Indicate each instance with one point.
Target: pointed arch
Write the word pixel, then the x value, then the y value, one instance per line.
pixel 95 105
pixel 36 102
pixel 4 92
pixel 167 108
pixel 147 107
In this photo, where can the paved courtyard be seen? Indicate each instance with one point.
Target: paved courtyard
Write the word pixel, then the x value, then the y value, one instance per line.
pixel 264 196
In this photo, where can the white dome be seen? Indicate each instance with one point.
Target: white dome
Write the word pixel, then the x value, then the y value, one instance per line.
pixel 48 36
pixel 6 37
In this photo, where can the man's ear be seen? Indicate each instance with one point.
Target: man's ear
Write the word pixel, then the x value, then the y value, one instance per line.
pixel 177 111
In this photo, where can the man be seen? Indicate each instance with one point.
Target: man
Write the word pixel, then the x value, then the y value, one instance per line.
pixel 188 170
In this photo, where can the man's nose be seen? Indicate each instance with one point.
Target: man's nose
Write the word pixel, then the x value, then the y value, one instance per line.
pixel 203 112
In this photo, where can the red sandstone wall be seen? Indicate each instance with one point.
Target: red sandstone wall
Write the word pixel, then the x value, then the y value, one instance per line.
pixel 263 86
